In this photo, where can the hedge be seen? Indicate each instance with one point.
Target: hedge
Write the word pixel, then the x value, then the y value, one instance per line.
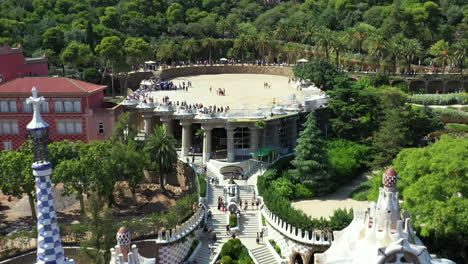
pixel 451 115
pixel 281 206
pixel 439 99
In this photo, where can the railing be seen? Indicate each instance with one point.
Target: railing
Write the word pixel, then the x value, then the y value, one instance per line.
pixel 315 237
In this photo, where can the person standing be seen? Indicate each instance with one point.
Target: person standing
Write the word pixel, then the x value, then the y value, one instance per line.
pixel 228 229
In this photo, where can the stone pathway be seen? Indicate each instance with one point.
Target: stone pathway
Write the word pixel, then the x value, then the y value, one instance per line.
pixel 249 222
pixel 326 205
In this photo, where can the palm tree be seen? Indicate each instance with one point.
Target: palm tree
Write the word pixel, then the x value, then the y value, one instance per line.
pixel 411 48
pixel 376 46
pixel 190 47
pixel 460 50
pixel 441 51
pixel 209 43
pixel 394 49
pixel 338 45
pixel 262 44
pixel 162 152
pixel 241 44
pixel 324 38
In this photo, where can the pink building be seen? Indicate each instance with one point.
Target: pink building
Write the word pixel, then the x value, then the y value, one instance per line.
pixel 13 64
pixel 74 109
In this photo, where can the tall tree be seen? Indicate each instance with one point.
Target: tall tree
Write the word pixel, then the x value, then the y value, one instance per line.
pixel 77 55
pixel 338 46
pixel 440 50
pixel 376 46
pixel 411 49
pixel 191 47
pixel 460 53
pixel 162 152
pixel 16 177
pixel 310 163
pixel 324 39
pixel 210 44
pixel 136 50
pixel 111 50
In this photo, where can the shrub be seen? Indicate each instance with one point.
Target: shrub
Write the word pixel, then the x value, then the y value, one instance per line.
pixel 457 126
pixel 439 99
pixel 227 260
pixel 451 115
pixel 347 158
pixel 283 187
pixel 233 220
pixel 301 192
pixel 341 219
pixel 202 184
pixel 236 252
pixel 275 247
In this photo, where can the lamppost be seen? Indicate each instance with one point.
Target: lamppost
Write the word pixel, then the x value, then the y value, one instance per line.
pixel 49 244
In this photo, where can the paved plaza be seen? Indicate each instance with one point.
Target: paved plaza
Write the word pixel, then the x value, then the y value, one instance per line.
pixel 243 91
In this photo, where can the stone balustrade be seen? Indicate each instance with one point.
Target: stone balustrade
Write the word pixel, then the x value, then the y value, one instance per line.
pixel 315 237
pixel 182 230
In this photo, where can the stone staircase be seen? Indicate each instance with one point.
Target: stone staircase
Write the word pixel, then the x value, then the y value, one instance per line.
pixel 263 255
pixel 217 223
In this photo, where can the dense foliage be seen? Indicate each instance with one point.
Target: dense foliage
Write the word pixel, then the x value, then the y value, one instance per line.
pixel 233 251
pixel 280 204
pixel 439 99
pixel 433 183
pixel 381 33
pixel 451 115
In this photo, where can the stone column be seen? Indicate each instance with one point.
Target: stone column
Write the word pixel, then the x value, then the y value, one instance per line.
pixel 206 142
pixel 186 136
pixel 294 134
pixel 148 124
pixel 253 139
pixel 275 134
pixel 231 155
pixel 167 123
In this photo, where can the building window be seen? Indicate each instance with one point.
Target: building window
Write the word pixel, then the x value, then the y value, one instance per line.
pixel 68 106
pixel 8 106
pixel 9 127
pixel 27 108
pixel 69 127
pixel 7 145
pixel 101 129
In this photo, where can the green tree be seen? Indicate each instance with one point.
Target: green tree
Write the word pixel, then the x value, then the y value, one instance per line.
pixel 110 50
pixel 322 73
pixel 440 50
pixel 16 177
pixel 324 38
pixel 162 151
pixel 376 46
pixel 77 55
pixel 124 130
pixel 191 47
pixel 137 50
pixel 100 223
pixel 210 44
pixel 460 51
pixel 53 38
pixel 411 49
pixel 175 13
pixel 310 163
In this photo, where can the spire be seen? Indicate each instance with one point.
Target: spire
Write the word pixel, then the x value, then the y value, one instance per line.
pixel 388 207
pixel 37 122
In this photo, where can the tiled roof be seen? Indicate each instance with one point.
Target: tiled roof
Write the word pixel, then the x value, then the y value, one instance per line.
pixel 49 85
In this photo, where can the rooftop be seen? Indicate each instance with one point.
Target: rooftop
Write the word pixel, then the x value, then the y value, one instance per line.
pixel 49 85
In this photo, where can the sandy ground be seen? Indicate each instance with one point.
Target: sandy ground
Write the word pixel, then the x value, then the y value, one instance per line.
pixel 243 91
pixel 325 206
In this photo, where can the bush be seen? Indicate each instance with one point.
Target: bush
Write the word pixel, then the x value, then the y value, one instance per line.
pixel 439 99
pixel 236 252
pixel 233 220
pixel 451 115
pixel 275 247
pixel 341 219
pixel 347 158
pixel 202 184
pixel 457 127
pixel 301 192
pixel 227 260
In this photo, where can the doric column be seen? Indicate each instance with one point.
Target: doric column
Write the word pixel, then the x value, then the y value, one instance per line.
pixel 148 124
pixel 231 155
pixel 186 136
pixel 275 140
pixel 167 123
pixel 253 139
pixel 294 131
pixel 206 142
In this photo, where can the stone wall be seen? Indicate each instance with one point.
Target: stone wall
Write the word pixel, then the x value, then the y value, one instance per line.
pixel 176 252
pixel 170 73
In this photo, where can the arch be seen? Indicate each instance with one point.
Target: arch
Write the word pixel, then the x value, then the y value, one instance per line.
pixel 434 86
pixel 453 86
pixel 310 259
pixel 417 86
pixel 296 258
